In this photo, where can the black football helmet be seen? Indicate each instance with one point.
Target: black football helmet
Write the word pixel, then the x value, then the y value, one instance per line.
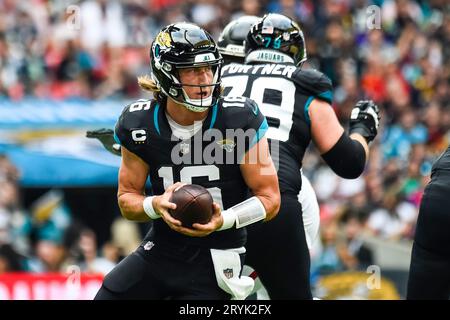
pixel 185 45
pixel 231 40
pixel 275 32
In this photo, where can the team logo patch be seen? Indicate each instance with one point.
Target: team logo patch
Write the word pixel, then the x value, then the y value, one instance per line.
pixel 164 39
pixel 228 273
pixel 227 144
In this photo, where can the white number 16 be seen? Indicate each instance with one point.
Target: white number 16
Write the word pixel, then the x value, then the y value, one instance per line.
pixel 186 175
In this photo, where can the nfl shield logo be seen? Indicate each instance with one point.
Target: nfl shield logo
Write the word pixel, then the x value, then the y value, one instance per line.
pixel 149 245
pixel 228 273
pixel 184 148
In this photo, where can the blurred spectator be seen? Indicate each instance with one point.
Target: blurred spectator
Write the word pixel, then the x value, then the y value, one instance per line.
pixel 112 253
pixel 14 222
pixel 102 22
pixel 125 235
pixel 50 257
pixel 50 219
pixel 354 253
pixel 10 261
pixel 404 66
pixel 395 220
pixel 328 260
pixel 399 138
pixel 8 172
pixel 89 259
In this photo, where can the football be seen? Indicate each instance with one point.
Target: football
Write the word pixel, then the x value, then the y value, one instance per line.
pixel 194 205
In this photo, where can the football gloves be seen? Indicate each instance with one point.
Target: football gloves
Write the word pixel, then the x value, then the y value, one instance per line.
pixel 365 119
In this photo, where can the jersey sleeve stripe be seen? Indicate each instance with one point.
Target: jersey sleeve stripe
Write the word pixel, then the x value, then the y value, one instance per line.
pixel 327 96
pixel 306 109
pixel 260 133
pixel 155 118
pixel 116 138
pixel 214 116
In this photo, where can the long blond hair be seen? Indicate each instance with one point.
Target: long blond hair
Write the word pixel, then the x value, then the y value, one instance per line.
pixel 148 84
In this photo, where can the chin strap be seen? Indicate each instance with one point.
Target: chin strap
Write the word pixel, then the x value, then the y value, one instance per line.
pixel 195 109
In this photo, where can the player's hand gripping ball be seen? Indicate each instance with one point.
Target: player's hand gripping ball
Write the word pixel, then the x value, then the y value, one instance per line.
pixel 194 205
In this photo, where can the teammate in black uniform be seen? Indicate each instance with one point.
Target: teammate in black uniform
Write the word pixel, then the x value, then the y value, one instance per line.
pixel 190 134
pixel 231 46
pixel 429 274
pixel 296 103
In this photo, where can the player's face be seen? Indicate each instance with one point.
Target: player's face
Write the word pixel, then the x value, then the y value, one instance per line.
pixel 197 76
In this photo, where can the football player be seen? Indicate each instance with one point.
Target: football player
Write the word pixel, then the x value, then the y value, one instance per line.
pixel 297 104
pixel 429 273
pixel 231 46
pixel 190 134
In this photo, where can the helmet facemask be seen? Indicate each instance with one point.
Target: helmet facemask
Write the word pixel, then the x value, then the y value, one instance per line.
pixel 179 94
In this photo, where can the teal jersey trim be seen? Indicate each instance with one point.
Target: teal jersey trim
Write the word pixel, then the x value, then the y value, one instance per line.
pixel 260 133
pixel 116 138
pixel 306 109
pixel 155 118
pixel 214 116
pixel 327 96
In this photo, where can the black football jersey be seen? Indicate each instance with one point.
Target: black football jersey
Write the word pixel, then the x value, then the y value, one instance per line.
pixel 210 158
pixel 283 93
pixel 442 162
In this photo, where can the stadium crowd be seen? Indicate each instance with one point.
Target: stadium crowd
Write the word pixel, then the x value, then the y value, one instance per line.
pixel 95 49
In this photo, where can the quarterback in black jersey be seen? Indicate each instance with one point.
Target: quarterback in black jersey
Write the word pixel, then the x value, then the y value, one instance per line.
pixel 231 46
pixel 297 104
pixel 190 134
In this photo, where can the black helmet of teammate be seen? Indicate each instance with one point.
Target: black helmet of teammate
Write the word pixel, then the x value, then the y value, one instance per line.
pixel 184 45
pixel 231 40
pixel 275 33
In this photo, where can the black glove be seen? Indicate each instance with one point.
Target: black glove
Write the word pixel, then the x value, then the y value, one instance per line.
pixel 365 119
pixel 106 137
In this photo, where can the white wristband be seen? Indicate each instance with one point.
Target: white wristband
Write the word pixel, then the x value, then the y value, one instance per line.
pixel 229 218
pixel 247 212
pixel 250 211
pixel 148 208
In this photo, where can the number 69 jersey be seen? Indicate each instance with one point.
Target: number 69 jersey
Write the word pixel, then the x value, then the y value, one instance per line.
pixel 211 157
pixel 283 93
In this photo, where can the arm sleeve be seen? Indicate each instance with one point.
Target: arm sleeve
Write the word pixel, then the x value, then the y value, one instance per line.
pixel 346 158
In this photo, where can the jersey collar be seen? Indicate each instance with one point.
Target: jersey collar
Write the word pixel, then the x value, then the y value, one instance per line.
pixel 162 126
